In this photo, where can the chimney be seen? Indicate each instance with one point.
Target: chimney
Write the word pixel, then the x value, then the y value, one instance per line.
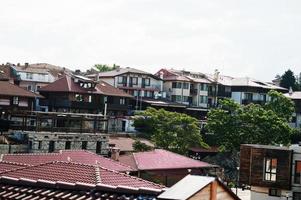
pixel 26 65
pixel 97 77
pixel 115 153
pixel 117 68
pixel 290 91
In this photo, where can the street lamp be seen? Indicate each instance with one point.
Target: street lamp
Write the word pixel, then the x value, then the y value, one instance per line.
pixel 237 179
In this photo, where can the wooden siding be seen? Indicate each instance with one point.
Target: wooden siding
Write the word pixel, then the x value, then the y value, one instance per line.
pixel 252 166
pixel 213 191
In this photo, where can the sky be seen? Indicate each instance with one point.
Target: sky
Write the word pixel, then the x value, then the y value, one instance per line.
pixel 254 38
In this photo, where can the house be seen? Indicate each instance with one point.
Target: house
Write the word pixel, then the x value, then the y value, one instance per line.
pixel 34 76
pixel 189 88
pixel 296 98
pixel 166 167
pixel 71 180
pixel 198 187
pixel 271 172
pixel 135 82
pixel 14 98
pixel 79 94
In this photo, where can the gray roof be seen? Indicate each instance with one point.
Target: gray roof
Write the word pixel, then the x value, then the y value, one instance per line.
pixel 260 146
pixel 186 187
pixel 294 95
pixel 120 71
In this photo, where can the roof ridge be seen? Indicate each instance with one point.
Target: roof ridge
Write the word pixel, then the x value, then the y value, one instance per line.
pixel 133 177
pixel 114 161
pixel 14 163
pixel 30 154
pixel 97 174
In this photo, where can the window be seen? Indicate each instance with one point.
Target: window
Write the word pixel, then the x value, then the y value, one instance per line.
pixel 84 144
pixel 134 80
pixel 122 79
pixel 203 99
pixel 122 101
pixel 98 147
pixel 249 96
pixel 297 172
pixel 270 169
pixel 28 75
pixel 274 192
pixel 146 81
pixel 79 97
pixel 16 100
pixel 185 99
pixel 185 85
pixel 176 98
pixel 203 87
pixel 30 145
pixel 68 145
pixel 51 147
pixel 40 145
pixel 29 88
pixel 177 85
pixel 297 196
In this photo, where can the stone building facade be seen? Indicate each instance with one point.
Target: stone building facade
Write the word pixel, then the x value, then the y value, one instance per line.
pixel 44 142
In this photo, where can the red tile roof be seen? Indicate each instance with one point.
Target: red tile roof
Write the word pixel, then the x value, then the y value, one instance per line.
pixel 36 191
pixel 72 172
pixel 162 159
pixel 7 166
pixel 8 89
pixel 79 156
pixel 67 84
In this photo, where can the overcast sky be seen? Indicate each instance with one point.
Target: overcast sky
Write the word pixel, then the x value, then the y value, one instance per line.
pixel 255 38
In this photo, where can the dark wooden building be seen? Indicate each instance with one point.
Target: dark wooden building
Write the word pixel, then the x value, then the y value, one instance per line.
pixel 13 99
pixel 267 169
pixel 78 94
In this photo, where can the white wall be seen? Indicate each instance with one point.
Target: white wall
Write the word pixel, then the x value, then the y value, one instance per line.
pixel 37 77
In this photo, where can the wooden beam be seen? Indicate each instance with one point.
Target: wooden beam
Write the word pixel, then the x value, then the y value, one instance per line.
pixel 213 190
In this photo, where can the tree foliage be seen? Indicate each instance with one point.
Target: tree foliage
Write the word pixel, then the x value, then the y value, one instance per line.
pixel 281 105
pixel 170 130
pixel 140 146
pixel 233 124
pixel 288 80
pixel 104 67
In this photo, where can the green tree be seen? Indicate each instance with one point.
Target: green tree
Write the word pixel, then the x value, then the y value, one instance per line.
pixel 140 146
pixel 232 124
pixel 104 67
pixel 280 104
pixel 170 130
pixel 288 80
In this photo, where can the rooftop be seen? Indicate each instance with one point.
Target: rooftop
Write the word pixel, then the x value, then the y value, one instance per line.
pixel 260 146
pixel 71 172
pixel 121 71
pixel 79 156
pixel 294 96
pixel 9 89
pixel 67 84
pixel 161 159
pixel 190 185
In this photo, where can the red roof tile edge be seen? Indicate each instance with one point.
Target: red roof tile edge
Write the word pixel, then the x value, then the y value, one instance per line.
pixel 109 159
pixel 78 183
pixel 77 186
pixel 60 153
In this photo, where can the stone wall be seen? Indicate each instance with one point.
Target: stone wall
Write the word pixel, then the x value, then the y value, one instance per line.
pixel 41 142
